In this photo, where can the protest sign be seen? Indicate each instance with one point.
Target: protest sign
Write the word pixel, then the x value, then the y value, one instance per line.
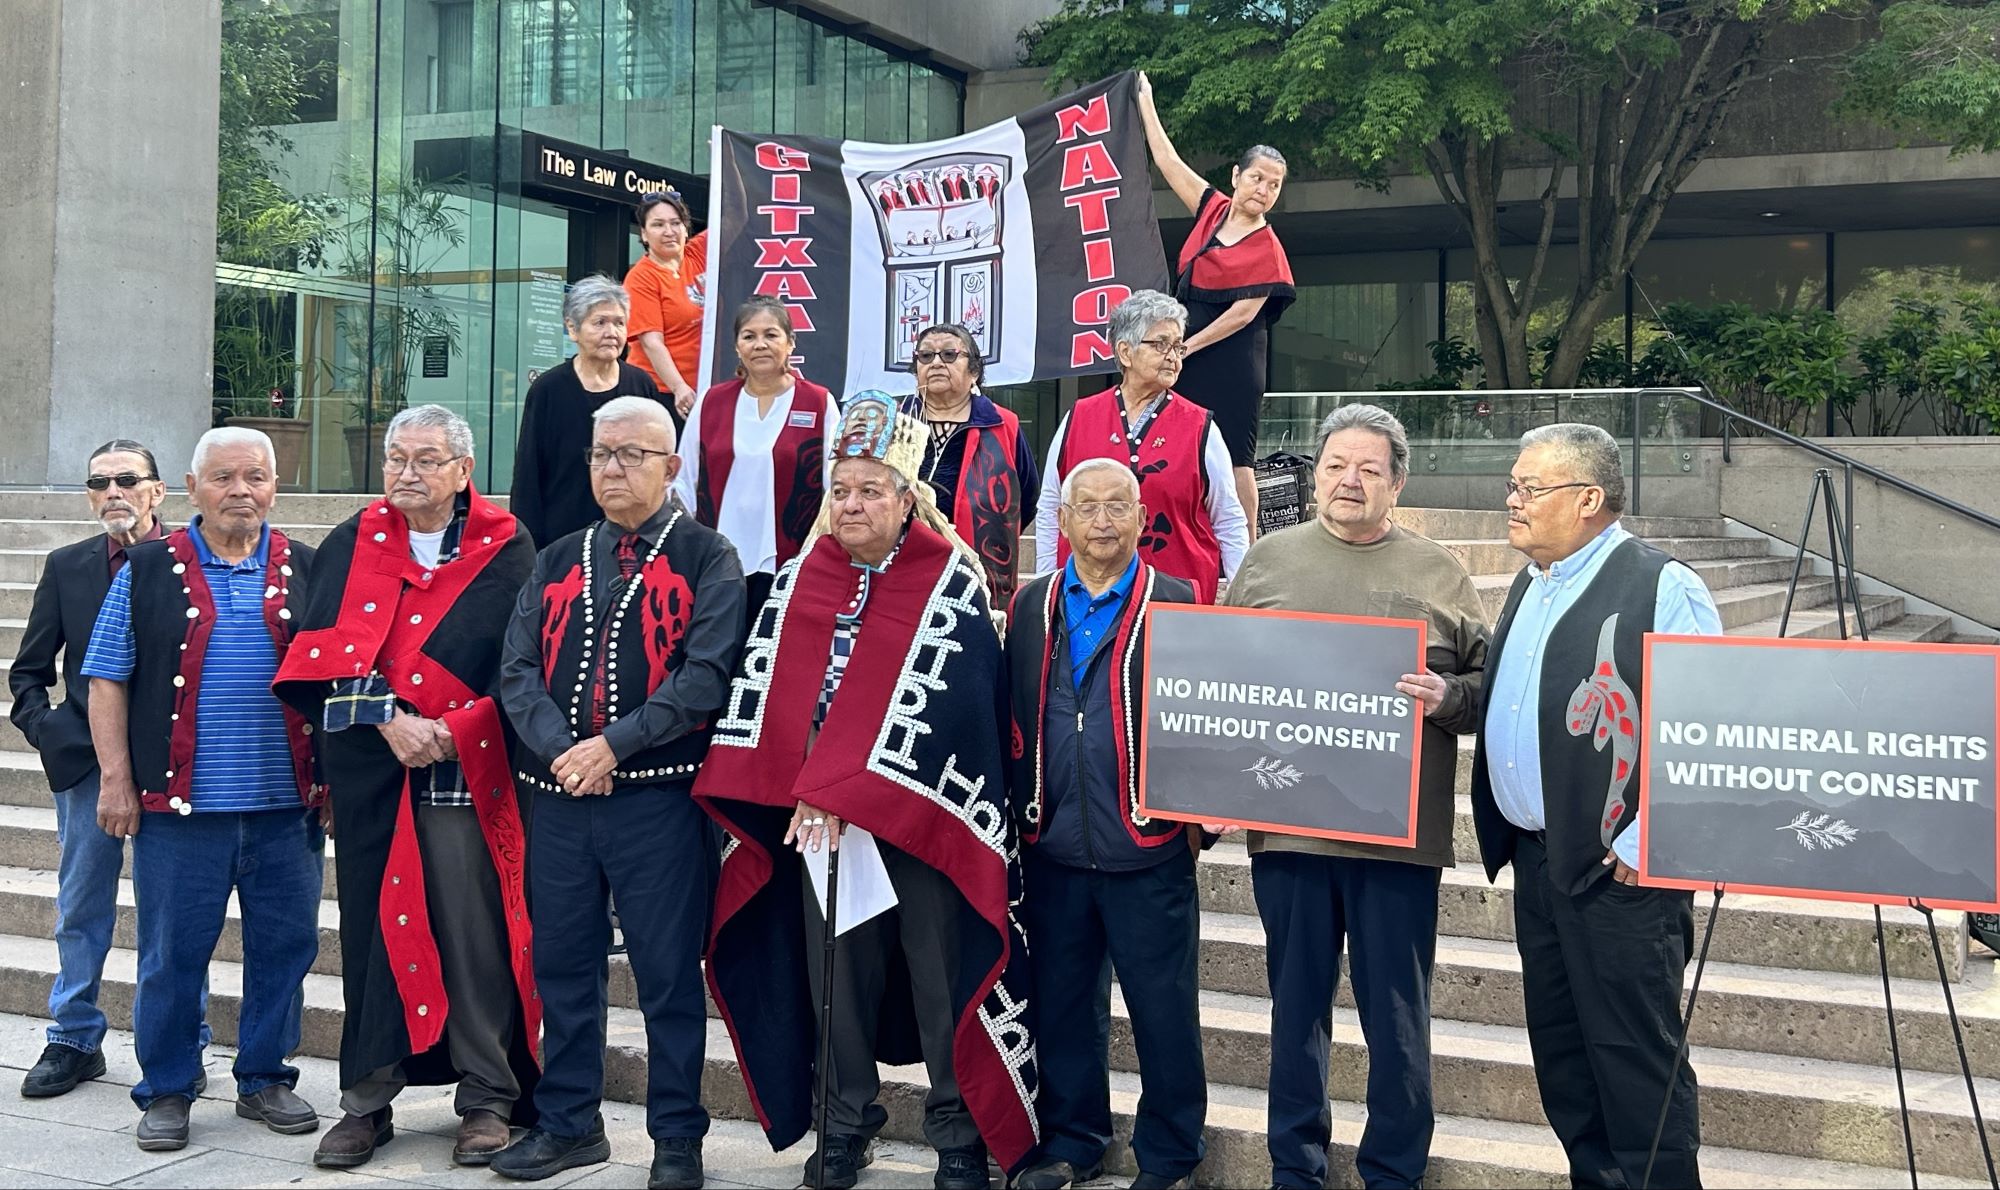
pixel 1847 770
pixel 1282 721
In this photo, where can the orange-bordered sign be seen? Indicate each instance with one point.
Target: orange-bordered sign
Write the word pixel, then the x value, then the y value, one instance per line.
pixel 1834 770
pixel 1282 721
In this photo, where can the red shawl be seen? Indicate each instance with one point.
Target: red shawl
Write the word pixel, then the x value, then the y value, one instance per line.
pixel 1254 266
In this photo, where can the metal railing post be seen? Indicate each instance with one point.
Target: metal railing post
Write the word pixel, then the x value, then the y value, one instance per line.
pixel 1637 466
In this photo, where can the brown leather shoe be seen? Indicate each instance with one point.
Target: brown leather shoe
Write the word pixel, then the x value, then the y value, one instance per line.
pixel 352 1141
pixel 481 1134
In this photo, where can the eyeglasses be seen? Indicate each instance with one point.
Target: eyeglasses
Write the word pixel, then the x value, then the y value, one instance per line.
pixel 426 466
pixel 124 479
pixel 1172 348
pixel 1117 510
pixel 949 355
pixel 1529 493
pixel 628 457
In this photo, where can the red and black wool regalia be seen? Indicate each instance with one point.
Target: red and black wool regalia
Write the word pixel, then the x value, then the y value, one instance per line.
pixel 1165 449
pixel 436 949
pixel 798 460
pixel 1105 882
pixel 908 749
pixel 984 477
pixel 628 634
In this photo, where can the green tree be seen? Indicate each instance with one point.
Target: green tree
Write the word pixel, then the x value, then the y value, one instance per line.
pixel 1933 72
pixel 258 221
pixel 1618 100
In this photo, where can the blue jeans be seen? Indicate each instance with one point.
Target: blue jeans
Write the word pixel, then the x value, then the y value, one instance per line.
pixel 183 870
pixel 86 913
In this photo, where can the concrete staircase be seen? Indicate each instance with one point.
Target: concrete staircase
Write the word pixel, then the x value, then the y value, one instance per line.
pixel 1790 1043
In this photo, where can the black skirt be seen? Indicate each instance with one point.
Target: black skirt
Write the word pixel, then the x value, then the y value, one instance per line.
pixel 1228 378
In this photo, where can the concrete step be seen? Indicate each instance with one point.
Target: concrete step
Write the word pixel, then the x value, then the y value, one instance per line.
pixel 1819 621
pixel 1483 555
pixel 11 628
pixel 28 840
pixel 21 566
pixel 1744 590
pixel 1456 523
pixel 69 504
pixel 16 599
pixel 17 534
pixel 1775 932
pixel 11 738
pixel 1852 1120
pixel 1833 1016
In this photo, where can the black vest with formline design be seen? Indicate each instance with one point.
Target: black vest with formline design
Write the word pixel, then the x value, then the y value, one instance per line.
pixel 636 631
pixel 1587 719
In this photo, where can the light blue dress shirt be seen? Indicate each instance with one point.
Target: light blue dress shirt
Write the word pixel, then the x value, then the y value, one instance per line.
pixel 1513 714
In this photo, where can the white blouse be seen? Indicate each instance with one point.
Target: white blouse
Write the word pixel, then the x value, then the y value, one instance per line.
pixel 744 515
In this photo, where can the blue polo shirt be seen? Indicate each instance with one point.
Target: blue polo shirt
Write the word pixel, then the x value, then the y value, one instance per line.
pixel 243 762
pixel 1090 620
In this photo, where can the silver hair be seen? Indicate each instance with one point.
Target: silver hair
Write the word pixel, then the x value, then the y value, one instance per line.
pixel 624 409
pixel 1376 419
pixel 1097 464
pixel 1589 453
pixel 1133 317
pixel 457 433
pixel 222 436
pixel 590 293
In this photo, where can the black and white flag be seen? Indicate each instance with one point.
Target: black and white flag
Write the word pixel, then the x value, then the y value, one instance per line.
pixel 1027 232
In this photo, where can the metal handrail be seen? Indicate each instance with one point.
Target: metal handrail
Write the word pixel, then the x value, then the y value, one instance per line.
pixel 1730 415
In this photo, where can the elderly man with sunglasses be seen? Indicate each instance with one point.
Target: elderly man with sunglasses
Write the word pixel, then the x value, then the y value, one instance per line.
pixel 396 663
pixel 617 660
pixel 125 492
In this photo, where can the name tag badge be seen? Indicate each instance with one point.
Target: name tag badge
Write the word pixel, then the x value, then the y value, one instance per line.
pixel 804 419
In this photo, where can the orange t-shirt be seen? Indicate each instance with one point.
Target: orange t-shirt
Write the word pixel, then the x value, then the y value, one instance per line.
pixel 670 305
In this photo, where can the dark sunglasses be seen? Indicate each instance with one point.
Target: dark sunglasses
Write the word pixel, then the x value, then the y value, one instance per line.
pixel 949 355
pixel 124 479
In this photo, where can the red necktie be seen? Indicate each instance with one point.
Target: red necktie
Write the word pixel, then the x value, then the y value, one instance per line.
pixel 628 565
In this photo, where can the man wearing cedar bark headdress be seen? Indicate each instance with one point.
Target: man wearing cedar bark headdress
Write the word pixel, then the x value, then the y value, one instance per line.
pixel 617 658
pixel 397 662
pixel 870 702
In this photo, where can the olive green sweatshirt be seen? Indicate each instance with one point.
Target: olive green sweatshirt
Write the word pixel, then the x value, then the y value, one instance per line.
pixel 1405 576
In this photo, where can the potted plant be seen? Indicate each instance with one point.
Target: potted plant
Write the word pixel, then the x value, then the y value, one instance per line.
pixel 256 378
pixel 397 238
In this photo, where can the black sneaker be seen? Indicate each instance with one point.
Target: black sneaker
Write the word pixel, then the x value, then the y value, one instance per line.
pixel 59 1070
pixel 540 1154
pixel 845 1156
pixel 962 1169
pixel 676 1164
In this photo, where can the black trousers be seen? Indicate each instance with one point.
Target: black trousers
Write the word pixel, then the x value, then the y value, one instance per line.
pixel 649 848
pixel 1081 925
pixel 925 923
pixel 1385 914
pixel 1602 974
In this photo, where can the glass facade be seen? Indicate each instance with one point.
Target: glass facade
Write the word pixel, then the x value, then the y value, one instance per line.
pixel 1366 320
pixel 426 256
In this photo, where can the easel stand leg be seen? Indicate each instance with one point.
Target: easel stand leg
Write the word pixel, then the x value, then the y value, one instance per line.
pixel 1958 1039
pixel 1680 1055
pixel 828 937
pixel 1895 1048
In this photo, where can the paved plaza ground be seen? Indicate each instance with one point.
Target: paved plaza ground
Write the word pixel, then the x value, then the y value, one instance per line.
pixel 84 1139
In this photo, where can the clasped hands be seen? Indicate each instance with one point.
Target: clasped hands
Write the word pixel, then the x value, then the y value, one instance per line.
pixel 418 742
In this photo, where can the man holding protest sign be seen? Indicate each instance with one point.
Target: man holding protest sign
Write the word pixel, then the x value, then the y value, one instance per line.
pixel 1103 880
pixel 1553 790
pixel 1354 560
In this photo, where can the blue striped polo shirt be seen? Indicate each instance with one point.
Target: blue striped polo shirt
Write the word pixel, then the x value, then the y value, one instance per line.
pixel 242 760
